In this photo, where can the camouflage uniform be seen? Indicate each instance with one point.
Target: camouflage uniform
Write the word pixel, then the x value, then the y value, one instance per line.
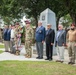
pixel 29 35
pixel 17 30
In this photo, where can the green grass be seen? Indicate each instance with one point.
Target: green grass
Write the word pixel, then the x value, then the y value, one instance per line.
pixel 1 51
pixel 35 68
pixel 1 46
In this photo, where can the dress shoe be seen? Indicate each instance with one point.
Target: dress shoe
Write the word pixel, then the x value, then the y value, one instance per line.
pixel 62 61
pixel 41 58
pixel 50 59
pixel 6 51
pixel 37 57
pixel 47 59
pixel 71 63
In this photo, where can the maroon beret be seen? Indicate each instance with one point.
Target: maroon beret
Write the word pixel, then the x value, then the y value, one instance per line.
pixel 27 22
pixel 72 24
pixel 16 23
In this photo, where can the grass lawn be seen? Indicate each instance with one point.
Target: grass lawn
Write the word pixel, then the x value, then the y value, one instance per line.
pixel 35 68
pixel 1 51
pixel 1 46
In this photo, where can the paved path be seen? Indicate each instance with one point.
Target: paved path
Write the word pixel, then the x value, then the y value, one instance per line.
pixel 21 57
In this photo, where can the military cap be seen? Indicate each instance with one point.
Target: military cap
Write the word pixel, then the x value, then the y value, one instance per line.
pixel 12 25
pixel 27 21
pixel 72 24
pixel 16 23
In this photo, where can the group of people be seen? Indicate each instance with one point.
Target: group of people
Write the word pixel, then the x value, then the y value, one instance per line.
pixel 61 39
pixel 12 37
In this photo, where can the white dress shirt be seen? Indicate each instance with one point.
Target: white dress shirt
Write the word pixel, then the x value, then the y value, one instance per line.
pixel 12 33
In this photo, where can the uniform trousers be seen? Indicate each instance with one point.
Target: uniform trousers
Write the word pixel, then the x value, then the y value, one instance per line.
pixel 28 48
pixel 72 51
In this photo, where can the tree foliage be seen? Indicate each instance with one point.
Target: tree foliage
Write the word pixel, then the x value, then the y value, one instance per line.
pixel 14 8
pixel 10 10
pixel 71 8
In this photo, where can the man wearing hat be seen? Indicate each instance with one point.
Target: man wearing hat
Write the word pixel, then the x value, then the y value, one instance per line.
pixel 50 34
pixel 71 36
pixel 29 35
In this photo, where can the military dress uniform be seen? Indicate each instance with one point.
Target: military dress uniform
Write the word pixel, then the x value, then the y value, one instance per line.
pixel 29 35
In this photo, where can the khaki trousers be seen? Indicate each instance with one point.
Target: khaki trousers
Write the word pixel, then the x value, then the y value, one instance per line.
pixel 7 45
pixel 72 51
pixel 60 52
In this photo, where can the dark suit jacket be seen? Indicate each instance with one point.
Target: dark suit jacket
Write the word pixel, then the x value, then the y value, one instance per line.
pixel 49 38
pixel 7 34
pixel 61 39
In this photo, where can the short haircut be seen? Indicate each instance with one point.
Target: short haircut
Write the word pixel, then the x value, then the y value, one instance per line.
pixel 60 25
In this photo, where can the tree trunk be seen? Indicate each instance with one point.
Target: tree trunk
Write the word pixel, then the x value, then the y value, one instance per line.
pixel 57 22
pixel 73 16
pixel 36 22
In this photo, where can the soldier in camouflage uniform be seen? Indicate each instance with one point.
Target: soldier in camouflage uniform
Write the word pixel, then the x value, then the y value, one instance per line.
pixel 29 35
pixel 17 31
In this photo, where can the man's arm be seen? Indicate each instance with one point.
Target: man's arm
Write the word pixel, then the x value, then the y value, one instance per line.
pixel 43 36
pixel 53 37
pixel 64 38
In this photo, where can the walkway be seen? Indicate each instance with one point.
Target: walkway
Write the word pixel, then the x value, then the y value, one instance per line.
pixel 21 57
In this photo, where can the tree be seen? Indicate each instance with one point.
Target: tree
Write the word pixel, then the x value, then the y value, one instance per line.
pixel 34 7
pixel 10 10
pixel 66 20
pixel 14 8
pixel 71 8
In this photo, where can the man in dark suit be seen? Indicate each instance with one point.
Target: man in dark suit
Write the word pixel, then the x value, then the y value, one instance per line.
pixel 40 37
pixel 50 34
pixel 60 42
